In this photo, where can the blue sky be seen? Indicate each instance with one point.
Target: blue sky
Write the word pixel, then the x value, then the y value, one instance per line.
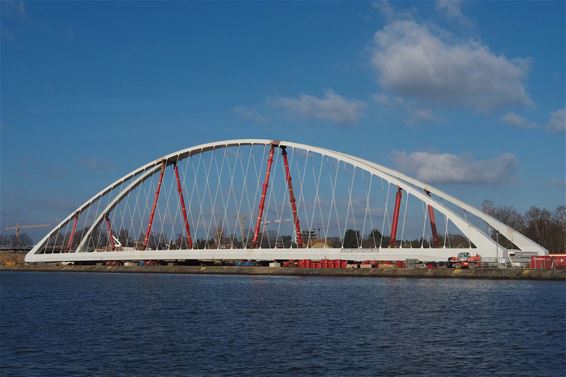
pixel 469 96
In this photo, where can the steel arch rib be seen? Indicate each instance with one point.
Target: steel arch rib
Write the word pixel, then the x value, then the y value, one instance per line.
pixel 114 203
pixel 179 155
pixel 81 208
pixel 481 241
pixel 392 176
pixel 521 241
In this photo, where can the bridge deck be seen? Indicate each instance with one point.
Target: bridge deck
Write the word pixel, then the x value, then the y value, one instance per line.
pixel 422 254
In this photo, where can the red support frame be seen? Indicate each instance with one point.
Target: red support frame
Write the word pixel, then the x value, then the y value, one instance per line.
pixel 433 226
pixel 292 197
pixel 183 207
pixel 152 214
pixel 435 239
pixel 262 199
pixel 110 235
pixel 398 197
pixel 72 236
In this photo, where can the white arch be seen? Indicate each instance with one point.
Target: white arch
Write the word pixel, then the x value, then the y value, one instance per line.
pixel 522 242
pixel 113 185
pixel 114 203
pixel 481 240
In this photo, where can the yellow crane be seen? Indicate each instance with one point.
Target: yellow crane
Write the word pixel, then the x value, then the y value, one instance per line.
pixel 17 228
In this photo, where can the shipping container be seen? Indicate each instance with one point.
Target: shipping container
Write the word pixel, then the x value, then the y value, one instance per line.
pixel 559 261
pixel 541 262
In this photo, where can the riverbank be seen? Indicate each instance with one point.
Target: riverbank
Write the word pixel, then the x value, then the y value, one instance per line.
pixel 11 258
pixel 441 273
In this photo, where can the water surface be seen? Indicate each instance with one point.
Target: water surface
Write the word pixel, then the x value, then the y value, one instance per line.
pixel 94 324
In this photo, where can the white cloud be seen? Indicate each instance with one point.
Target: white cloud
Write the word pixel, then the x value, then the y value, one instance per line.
pixel 93 164
pixel 331 106
pixel 413 62
pixel 412 113
pixel 517 121
pixel 451 168
pixel 422 116
pixel 249 114
pixel 384 7
pixel 452 9
pixel 557 121
pixel 15 7
pixel 389 12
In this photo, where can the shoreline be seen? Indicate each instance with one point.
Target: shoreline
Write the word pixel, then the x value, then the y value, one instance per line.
pixel 438 273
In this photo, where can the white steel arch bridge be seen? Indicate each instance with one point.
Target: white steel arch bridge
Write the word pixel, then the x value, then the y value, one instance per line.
pixel 254 199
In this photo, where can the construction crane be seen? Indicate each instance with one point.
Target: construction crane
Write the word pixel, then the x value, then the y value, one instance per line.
pixel 17 228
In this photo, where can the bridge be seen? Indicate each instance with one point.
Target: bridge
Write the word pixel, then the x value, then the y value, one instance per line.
pixel 267 200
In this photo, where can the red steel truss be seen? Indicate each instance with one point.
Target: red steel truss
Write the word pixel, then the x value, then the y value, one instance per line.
pixel 435 239
pixel 110 235
pixel 292 197
pixel 262 200
pixel 152 214
pixel 70 243
pixel 398 197
pixel 183 207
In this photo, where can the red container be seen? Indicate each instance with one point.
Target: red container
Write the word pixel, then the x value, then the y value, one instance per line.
pixel 307 263
pixel 558 261
pixel 541 262
pixel 324 263
pixel 318 265
pixel 343 264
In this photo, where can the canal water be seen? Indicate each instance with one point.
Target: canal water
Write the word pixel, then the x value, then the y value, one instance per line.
pixel 88 324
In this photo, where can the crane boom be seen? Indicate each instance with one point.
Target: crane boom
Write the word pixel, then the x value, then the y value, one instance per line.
pixel 27 226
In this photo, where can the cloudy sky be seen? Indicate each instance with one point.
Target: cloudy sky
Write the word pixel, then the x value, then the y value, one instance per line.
pixel 469 96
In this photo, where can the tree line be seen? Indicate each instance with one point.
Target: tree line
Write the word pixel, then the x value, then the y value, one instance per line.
pixel 546 228
pixel 12 241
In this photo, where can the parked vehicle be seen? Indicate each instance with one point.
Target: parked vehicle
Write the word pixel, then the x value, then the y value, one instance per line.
pixel 464 260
